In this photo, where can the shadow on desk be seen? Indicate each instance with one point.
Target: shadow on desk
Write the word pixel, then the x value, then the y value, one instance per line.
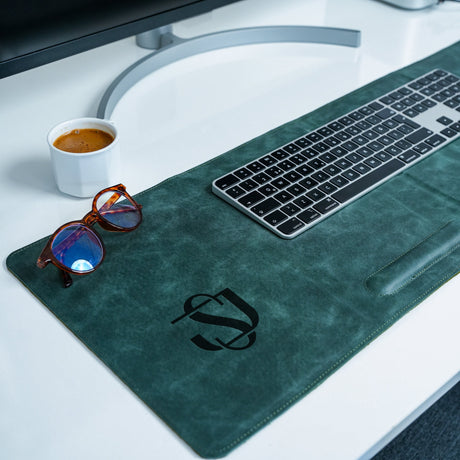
pixel 435 435
pixel 33 173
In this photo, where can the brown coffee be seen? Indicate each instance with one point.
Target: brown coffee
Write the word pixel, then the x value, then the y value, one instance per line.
pixel 83 140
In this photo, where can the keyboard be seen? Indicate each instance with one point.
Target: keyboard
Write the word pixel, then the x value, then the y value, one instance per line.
pixel 306 180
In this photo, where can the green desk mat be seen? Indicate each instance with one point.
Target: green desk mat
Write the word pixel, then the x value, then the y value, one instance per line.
pixel 218 325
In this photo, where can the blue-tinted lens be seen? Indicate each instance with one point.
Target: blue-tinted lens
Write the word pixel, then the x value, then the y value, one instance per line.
pixel 115 208
pixel 77 247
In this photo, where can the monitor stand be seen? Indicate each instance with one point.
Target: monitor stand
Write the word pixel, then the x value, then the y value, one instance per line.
pixel 169 48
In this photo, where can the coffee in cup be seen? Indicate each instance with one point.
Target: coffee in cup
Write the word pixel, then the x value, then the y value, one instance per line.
pixel 85 156
pixel 83 140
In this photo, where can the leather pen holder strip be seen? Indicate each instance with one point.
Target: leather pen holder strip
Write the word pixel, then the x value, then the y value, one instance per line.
pixel 423 257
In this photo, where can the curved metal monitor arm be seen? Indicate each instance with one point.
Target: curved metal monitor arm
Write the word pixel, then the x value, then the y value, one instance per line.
pixel 170 48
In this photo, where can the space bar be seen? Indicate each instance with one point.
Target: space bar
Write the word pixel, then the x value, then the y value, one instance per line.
pixel 367 181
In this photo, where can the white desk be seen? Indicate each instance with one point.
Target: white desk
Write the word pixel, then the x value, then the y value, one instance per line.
pixel 57 401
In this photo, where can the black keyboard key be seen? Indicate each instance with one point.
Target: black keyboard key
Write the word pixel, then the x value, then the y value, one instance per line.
pixel 409 156
pixel 267 160
pixel 309 215
pixel 404 145
pixel 227 181
pixel 280 155
pixel 435 140
pixel 385 113
pixel 276 217
pixel 290 209
pixel 315 194
pixel 267 190
pixel 314 137
pixel 308 183
pixel 235 191
pixel 445 121
pixel 372 162
pixel 256 167
pixel 408 121
pixel 364 182
pixel 326 205
pixel 383 156
pixel 274 171
pixel 243 173
pixel 328 188
pixel 265 206
pixel 283 196
pixel 365 151
pixel 291 148
pixel 286 165
pixel 251 198
pixel 350 146
pixel 361 168
pixel 375 146
pixel 298 159
pixel 261 178
pixel 320 176
pixel 304 170
pixel 339 181
pixel 303 142
pixel 296 189
pixel 418 136
pixel 249 185
pixel 422 148
pixel 350 174
pixel 376 105
pixel 290 226
pixel 303 202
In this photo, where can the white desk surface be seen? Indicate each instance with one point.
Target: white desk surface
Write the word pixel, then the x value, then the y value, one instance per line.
pixel 57 401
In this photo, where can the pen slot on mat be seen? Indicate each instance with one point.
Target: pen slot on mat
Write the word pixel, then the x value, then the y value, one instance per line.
pixel 402 271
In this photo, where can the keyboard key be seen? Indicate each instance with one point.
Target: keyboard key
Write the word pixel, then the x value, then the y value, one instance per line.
pixel 315 194
pixel 385 113
pixel 309 215
pixel 265 206
pixel 409 156
pixel 249 184
pixel 261 178
pixel 435 140
pixel 445 121
pixel 243 173
pixel 226 181
pixel 328 188
pixel 276 217
pixel 364 182
pixel 418 135
pixel 449 132
pixel 339 181
pixel 256 166
pixel 296 189
pixel 326 205
pixel 303 202
pixel 290 209
pixel 283 196
pixel 235 191
pixel 251 198
pixel 290 226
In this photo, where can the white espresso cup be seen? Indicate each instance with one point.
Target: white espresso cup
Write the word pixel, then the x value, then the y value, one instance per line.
pixel 85 174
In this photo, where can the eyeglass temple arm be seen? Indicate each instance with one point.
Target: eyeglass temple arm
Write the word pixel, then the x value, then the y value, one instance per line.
pixel 66 278
pixel 43 261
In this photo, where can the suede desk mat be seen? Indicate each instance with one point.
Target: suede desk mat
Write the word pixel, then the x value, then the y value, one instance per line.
pixel 217 324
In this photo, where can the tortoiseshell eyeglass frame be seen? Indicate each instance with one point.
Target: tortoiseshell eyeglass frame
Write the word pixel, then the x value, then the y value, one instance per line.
pixel 94 216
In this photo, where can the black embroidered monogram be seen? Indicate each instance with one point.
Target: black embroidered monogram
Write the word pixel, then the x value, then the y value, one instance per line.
pixel 241 341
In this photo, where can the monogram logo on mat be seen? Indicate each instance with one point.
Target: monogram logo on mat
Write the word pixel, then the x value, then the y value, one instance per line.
pixel 208 309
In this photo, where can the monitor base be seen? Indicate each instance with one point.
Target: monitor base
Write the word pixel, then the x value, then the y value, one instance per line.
pixel 169 48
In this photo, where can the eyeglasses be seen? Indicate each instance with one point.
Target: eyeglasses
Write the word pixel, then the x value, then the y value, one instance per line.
pixel 76 248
